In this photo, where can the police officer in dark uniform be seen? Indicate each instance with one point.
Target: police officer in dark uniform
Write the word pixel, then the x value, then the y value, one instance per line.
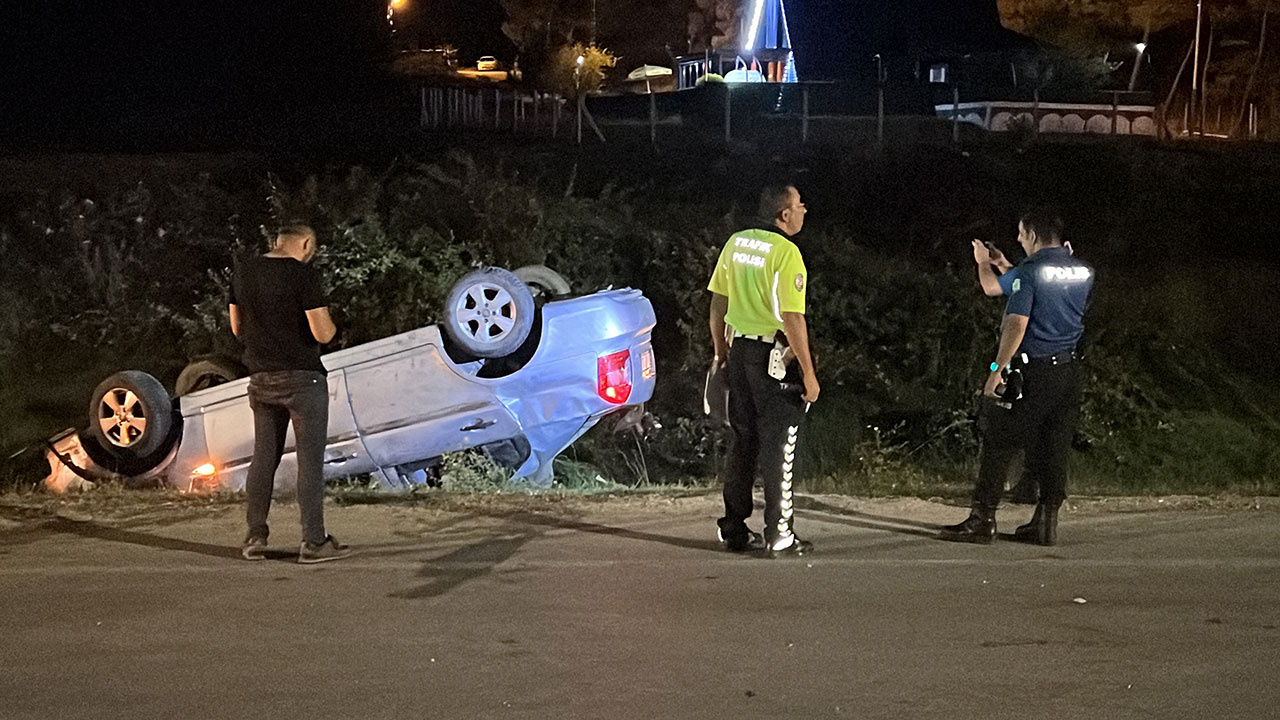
pixel 996 275
pixel 758 304
pixel 1043 322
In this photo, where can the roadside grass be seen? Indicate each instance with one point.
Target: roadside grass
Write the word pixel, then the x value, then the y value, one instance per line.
pixel 116 503
pixel 471 475
pixel 1187 454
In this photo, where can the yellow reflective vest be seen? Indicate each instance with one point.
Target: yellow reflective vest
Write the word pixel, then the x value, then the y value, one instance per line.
pixel 763 275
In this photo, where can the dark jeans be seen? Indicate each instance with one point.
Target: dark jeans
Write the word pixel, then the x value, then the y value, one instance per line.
pixel 300 396
pixel 1041 423
pixel 765 419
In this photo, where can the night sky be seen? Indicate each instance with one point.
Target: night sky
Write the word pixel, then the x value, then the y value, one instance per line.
pixel 66 62
pixel 832 36
pixel 98 50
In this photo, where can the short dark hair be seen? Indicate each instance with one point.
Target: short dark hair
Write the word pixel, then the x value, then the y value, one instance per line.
pixel 773 198
pixel 295 231
pixel 1045 223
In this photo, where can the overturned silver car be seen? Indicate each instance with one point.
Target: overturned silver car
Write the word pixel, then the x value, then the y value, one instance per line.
pixel 512 375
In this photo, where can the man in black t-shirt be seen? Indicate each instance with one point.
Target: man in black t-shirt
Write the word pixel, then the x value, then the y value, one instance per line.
pixel 280 316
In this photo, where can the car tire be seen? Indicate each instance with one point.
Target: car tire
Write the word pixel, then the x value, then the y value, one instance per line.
pixel 543 281
pixel 204 373
pixel 131 415
pixel 489 313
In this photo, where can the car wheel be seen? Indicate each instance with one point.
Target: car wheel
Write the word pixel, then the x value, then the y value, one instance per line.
pixel 208 372
pixel 131 415
pixel 543 281
pixel 489 313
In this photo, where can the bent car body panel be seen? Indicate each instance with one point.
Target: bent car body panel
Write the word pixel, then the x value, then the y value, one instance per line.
pixel 218 423
pixel 413 404
pixel 401 400
pixel 554 403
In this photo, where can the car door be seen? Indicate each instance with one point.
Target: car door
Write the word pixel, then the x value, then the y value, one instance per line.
pixel 228 430
pixel 410 402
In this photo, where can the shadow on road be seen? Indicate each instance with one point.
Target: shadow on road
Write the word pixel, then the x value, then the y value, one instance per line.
pixel 870 521
pixel 470 562
pixel 463 565
pixel 588 527
pixel 101 532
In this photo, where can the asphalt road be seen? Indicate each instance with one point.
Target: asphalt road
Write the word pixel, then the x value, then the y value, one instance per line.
pixel 626 609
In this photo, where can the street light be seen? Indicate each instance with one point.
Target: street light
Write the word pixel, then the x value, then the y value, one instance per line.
pixel 1141 47
pixel 577 87
pixel 880 78
pixel 392 6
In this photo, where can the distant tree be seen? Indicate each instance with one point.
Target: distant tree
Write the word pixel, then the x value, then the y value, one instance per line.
pixel 642 30
pixel 1091 41
pixel 537 26
pixel 713 24
pixel 1238 64
pixel 563 75
pixel 1108 17
pixel 1077 52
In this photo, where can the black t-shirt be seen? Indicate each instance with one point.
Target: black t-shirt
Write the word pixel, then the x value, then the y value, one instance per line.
pixel 273 296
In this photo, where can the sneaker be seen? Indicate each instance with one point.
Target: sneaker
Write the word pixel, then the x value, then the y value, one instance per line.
pixel 790 546
pixel 749 542
pixel 328 550
pixel 254 548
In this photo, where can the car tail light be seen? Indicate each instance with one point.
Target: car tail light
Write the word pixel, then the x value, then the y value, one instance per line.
pixel 614 377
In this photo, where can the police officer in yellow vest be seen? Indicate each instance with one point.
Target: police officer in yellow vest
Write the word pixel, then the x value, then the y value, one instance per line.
pixel 757 306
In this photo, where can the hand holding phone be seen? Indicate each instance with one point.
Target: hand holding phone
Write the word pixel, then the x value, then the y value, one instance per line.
pixel 981 252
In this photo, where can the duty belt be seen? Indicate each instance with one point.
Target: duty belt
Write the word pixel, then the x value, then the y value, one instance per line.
pixel 757 338
pixel 1061 358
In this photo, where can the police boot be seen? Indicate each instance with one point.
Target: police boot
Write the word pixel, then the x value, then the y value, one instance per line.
pixel 980 527
pixel 1043 528
pixel 1030 533
pixel 1049 527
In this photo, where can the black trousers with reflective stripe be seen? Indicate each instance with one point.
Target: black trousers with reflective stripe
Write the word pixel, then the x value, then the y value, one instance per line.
pixel 1042 423
pixel 765 419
